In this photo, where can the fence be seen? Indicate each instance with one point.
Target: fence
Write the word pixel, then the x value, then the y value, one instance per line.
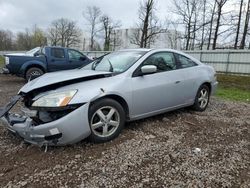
pixel 226 61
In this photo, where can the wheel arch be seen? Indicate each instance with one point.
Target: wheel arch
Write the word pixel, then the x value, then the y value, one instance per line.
pixel 208 84
pixel 34 65
pixel 118 99
pixel 25 67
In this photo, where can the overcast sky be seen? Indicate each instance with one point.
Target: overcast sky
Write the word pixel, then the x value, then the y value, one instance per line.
pixel 16 15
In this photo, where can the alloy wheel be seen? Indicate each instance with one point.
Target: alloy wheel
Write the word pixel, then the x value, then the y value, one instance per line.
pixel 203 98
pixel 105 121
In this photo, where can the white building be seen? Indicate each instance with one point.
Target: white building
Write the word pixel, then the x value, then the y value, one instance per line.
pixel 122 39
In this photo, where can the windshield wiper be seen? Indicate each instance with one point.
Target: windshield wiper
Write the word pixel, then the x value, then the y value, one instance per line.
pixel 111 69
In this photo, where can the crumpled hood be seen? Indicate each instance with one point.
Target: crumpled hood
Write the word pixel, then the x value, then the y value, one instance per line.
pixel 50 79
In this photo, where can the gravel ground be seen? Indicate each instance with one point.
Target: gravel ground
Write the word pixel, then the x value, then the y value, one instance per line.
pixel 177 149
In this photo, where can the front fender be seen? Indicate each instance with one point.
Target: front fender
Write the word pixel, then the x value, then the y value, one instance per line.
pixel 30 64
pixel 93 95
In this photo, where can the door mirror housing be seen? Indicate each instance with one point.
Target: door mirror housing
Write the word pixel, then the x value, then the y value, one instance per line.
pixel 83 58
pixel 37 54
pixel 148 69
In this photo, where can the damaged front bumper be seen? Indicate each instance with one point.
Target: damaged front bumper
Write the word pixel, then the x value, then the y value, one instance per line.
pixel 68 129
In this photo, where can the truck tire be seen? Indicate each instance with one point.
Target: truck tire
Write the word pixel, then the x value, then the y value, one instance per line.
pixel 33 73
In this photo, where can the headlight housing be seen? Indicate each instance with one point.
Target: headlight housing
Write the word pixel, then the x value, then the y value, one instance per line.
pixel 58 99
pixel 7 60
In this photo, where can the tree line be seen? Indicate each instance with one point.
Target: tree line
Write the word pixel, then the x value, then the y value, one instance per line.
pixel 198 24
pixel 65 33
pixel 213 24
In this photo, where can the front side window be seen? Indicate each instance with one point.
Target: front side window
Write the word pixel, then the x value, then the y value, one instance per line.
pixel 74 55
pixel 185 62
pixel 57 53
pixel 164 61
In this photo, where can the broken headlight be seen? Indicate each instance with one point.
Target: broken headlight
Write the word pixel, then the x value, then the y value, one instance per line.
pixel 58 99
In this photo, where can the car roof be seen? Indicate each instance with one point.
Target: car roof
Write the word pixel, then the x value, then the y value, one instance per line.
pixel 155 50
pixel 54 47
pixel 136 49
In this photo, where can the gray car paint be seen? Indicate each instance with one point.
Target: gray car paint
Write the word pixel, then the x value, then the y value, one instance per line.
pixel 145 95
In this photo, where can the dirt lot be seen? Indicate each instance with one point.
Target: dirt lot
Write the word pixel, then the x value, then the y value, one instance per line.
pixel 178 149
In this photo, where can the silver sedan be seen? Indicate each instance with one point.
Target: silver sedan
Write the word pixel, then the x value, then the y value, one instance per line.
pixel 95 101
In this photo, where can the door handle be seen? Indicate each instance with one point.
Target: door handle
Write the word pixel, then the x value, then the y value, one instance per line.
pixel 177 82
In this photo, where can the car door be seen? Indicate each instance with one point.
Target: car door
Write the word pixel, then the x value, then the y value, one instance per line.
pixel 76 59
pixel 190 71
pixel 58 60
pixel 161 90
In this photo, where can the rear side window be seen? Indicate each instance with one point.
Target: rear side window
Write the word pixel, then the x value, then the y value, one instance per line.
pixel 185 62
pixel 57 53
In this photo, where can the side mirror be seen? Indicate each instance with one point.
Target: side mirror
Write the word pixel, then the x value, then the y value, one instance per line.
pixel 82 58
pixel 148 69
pixel 36 54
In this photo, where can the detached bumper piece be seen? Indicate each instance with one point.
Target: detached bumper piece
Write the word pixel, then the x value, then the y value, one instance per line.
pixel 5 71
pixel 23 127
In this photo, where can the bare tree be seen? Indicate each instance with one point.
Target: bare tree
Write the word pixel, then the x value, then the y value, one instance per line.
pixel 238 25
pixel 211 25
pixel 24 40
pixel 203 21
pixel 108 27
pixel 6 40
pixel 148 26
pixel 243 40
pixel 53 34
pixel 38 37
pixel 64 32
pixel 220 4
pixel 116 40
pixel 92 16
pixel 189 12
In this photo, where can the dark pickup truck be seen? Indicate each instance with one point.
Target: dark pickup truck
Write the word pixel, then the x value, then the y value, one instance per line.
pixel 47 59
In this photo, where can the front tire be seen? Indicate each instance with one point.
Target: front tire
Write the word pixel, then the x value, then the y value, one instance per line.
pixel 33 72
pixel 202 98
pixel 106 120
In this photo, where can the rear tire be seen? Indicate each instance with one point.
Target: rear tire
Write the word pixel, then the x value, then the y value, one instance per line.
pixel 106 120
pixel 202 98
pixel 33 73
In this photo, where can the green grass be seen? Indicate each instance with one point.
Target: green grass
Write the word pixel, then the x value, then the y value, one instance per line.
pixel 1 61
pixel 235 88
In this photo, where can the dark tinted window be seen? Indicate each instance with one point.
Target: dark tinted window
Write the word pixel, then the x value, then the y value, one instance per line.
pixel 164 61
pixel 57 53
pixel 185 62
